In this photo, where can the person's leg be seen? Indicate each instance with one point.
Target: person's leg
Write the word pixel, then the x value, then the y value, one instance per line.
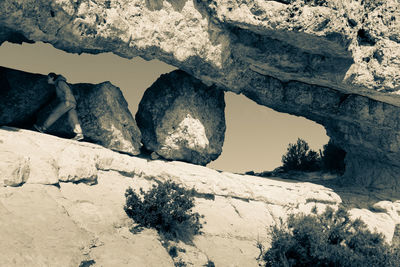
pixel 74 121
pixel 60 110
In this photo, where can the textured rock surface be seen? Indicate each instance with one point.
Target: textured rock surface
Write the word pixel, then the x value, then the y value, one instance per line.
pixel 181 118
pixel 45 225
pixel 102 109
pixel 368 130
pixel 330 49
pixel 21 96
pixel 339 44
pixel 14 169
pixel 106 119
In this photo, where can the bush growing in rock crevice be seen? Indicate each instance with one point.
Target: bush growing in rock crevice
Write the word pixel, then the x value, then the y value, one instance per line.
pixel 329 239
pixel 300 157
pixel 166 207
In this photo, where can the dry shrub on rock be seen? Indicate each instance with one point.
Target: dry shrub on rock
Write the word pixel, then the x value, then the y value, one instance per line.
pixel 329 239
pixel 167 207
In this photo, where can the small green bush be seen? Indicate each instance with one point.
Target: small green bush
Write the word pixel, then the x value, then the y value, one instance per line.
pixel 329 239
pixel 300 157
pixel 166 207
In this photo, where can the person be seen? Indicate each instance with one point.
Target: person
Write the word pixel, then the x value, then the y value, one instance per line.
pixel 67 104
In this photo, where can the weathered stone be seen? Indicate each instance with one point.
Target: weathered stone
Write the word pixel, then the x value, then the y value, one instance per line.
pixel 36 231
pixel 376 221
pixel 106 119
pixel 75 166
pixel 28 157
pixel 102 109
pixel 154 156
pixel 344 45
pixel 22 94
pixel 43 225
pixel 367 129
pixel 333 49
pixel 43 168
pixel 14 169
pixel 42 160
pixel 182 119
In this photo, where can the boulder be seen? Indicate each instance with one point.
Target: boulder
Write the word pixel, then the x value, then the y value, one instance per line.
pixel 22 94
pixel 106 119
pixel 102 110
pixel 182 119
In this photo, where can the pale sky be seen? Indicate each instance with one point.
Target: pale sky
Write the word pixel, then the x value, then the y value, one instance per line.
pixel 256 136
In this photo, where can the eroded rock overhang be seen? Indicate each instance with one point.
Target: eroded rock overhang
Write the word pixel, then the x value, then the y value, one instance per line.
pixel 334 62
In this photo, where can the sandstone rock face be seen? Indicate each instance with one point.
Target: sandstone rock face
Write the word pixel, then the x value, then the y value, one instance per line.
pixel 327 49
pixel 368 130
pixel 101 108
pixel 181 118
pixel 350 46
pixel 15 169
pixel 45 225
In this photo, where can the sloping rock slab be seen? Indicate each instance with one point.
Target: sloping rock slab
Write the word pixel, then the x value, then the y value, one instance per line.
pixel 45 225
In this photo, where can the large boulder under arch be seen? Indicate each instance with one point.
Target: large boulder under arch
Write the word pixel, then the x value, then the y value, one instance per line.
pixel 181 118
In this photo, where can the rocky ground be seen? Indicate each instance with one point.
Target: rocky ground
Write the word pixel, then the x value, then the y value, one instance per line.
pixel 65 206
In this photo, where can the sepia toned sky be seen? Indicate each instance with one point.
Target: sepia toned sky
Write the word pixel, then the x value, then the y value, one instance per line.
pixel 256 136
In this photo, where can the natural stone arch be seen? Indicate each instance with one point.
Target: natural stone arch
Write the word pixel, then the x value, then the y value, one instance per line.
pixel 338 61
pixel 368 130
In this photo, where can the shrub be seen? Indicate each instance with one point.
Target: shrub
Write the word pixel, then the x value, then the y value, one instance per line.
pixel 300 157
pixel 166 207
pixel 87 263
pixel 332 158
pixel 329 239
pixel 209 263
pixel 180 263
pixel 173 252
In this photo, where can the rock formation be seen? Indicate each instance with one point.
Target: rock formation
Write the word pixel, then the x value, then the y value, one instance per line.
pixel 102 109
pixel 335 62
pixel 367 129
pixel 73 223
pixel 106 119
pixel 338 60
pixel 181 118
